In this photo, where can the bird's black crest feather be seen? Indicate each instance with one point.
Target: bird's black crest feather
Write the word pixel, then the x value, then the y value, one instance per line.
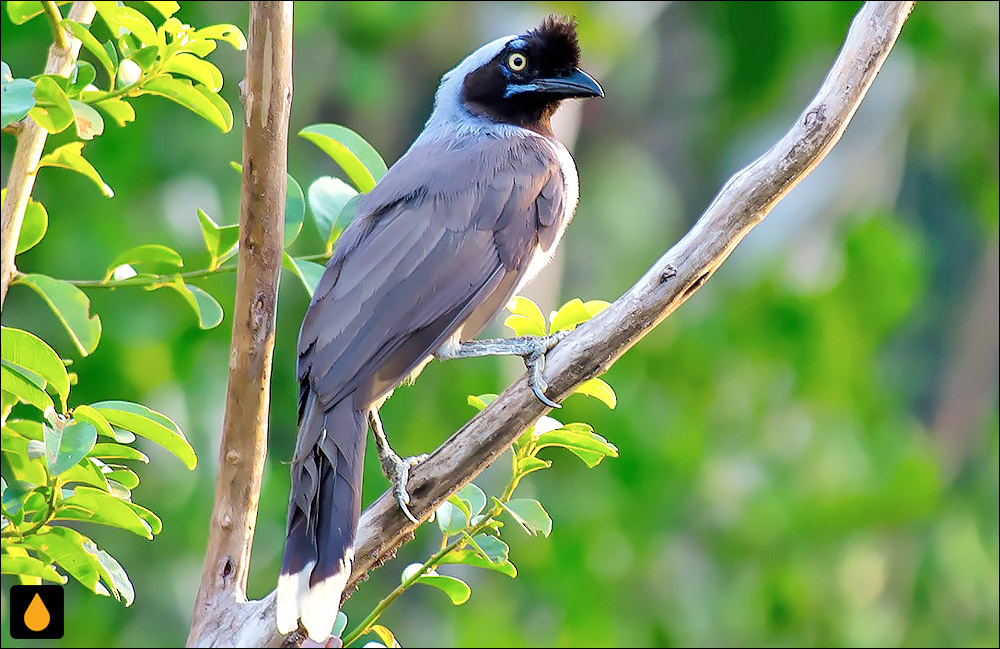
pixel 559 40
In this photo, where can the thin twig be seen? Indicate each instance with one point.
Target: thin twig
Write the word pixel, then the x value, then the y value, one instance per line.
pixel 30 142
pixel 55 19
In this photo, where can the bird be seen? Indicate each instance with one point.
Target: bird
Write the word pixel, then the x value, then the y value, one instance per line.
pixel 473 209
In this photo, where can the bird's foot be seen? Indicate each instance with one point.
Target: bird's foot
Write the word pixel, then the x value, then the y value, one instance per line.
pixel 394 468
pixel 534 362
pixel 397 471
pixel 530 348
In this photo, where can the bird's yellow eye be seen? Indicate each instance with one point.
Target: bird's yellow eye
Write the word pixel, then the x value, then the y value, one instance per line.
pixel 517 61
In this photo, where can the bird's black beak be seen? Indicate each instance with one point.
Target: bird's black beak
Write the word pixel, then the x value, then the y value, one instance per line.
pixel 576 84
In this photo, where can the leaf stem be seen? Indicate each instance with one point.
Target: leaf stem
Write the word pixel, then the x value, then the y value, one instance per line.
pixel 55 18
pixel 152 280
pixel 50 511
pixel 366 624
pixel 372 618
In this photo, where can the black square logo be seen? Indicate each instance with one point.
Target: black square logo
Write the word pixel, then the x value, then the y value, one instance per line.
pixel 36 612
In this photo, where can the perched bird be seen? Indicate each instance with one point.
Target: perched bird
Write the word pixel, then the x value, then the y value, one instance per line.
pixel 470 213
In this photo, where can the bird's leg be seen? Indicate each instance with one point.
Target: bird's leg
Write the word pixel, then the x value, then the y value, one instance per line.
pixel 394 468
pixel 530 348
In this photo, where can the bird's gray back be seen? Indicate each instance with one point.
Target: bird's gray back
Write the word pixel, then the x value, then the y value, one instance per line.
pixel 443 240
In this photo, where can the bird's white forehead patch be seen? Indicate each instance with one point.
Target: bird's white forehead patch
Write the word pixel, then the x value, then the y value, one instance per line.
pixel 481 57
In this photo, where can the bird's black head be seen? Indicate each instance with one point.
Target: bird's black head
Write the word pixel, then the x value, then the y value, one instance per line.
pixel 525 82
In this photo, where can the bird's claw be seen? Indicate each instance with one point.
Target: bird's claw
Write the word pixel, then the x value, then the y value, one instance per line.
pixel 397 470
pixel 535 362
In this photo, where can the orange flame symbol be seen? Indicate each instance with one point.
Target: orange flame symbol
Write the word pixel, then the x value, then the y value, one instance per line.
pixel 37 616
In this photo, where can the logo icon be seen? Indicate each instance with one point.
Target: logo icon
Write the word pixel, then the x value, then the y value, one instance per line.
pixel 36 612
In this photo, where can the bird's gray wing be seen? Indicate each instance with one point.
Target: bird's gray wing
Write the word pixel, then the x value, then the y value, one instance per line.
pixel 447 232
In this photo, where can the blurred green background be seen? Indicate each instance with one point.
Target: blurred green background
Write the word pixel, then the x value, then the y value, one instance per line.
pixel 809 447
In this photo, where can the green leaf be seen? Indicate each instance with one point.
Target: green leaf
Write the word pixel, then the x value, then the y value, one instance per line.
pixel 359 159
pixel 66 446
pixel 198 69
pixel 111 451
pixel 209 310
pixel 17 99
pixel 89 414
pixel 474 496
pixel 530 515
pixel 93 46
pixel 115 576
pixel 185 94
pixel 228 33
pixel 125 477
pixel 219 240
pixel 456 589
pixel 95 506
pixel 600 390
pixel 34 225
pixel 71 306
pixel 118 109
pixel 527 465
pixel 481 401
pixel 52 110
pixel 494 549
pixel 85 472
pixel 569 315
pixel 450 518
pixel 145 58
pixel 151 519
pixel 523 326
pixel 151 253
pixel 128 45
pixel 22 12
pixel 65 547
pixel 308 272
pixel 28 566
pixel 327 198
pixel 69 156
pixel 108 11
pixel 339 624
pixel 166 9
pixel 385 635
pixel 583 442
pixel 220 105
pixel 89 122
pixel 149 424
pixel 16 384
pixel 469 557
pixel 26 352
pixel 295 211
pixel 111 50
pixel 522 309
pixel 595 306
pixel 138 24
pixel 25 468
pixel 83 75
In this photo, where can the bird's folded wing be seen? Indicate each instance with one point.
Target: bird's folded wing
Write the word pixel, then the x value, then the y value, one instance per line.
pixel 445 235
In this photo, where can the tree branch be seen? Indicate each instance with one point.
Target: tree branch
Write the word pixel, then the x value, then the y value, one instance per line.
pixel 267 98
pixel 593 347
pixel 30 142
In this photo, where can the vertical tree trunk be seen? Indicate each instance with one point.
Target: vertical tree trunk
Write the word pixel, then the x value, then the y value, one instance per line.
pixel 266 95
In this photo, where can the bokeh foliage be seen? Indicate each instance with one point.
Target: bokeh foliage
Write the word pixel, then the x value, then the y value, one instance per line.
pixel 786 474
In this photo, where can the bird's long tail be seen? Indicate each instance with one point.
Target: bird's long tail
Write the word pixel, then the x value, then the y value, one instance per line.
pixel 323 511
